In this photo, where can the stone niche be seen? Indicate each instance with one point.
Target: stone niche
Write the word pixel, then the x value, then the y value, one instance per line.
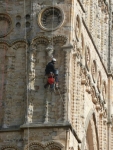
pixel 13 98
pixel 5 24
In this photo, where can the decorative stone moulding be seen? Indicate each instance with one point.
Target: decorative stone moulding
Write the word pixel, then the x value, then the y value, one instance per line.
pixel 87 58
pixel 47 146
pixel 88 84
pixel 104 90
pixel 94 70
pixel 9 148
pixel 40 40
pixel 93 94
pixel 98 107
pixel 51 18
pixel 5 24
pixel 82 44
pixel 59 39
pixel 104 121
pixel 99 81
pixel 78 27
pixel 83 74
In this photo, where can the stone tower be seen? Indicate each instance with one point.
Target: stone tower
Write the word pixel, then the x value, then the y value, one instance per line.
pixel 77 116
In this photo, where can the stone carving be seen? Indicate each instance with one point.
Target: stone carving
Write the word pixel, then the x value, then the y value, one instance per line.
pixel 93 94
pixel 104 90
pixel 78 27
pixel 32 69
pixel 50 50
pixel 40 40
pixel 9 148
pixel 48 146
pixel 83 75
pixel 82 45
pixel 29 113
pixel 5 24
pixel 46 113
pixel 87 58
pixel 88 84
pixel 59 39
pixel 94 70
pixel 99 81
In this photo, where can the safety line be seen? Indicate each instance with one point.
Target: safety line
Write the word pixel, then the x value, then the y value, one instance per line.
pixel 27 85
pixel 3 73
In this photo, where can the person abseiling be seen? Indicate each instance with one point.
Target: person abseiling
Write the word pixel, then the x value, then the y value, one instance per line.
pixel 50 72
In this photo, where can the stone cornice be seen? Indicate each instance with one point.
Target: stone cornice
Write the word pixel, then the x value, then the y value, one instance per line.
pixel 50 125
pixel 9 44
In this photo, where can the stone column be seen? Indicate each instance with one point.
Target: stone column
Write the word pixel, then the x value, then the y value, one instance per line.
pixel 67 65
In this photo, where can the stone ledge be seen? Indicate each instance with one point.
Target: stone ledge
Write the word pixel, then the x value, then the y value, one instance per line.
pixel 43 125
pixel 10 129
pixel 50 125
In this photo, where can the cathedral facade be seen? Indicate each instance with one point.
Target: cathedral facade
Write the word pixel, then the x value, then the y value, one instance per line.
pixel 79 114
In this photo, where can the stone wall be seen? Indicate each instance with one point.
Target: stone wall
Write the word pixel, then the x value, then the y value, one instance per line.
pixel 32 117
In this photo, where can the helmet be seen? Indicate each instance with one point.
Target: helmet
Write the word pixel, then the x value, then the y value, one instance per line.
pixel 53 59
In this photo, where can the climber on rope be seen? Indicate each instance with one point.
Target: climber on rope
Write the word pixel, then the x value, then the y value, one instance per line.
pixel 52 74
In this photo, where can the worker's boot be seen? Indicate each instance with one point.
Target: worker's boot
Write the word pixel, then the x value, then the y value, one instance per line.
pixel 52 86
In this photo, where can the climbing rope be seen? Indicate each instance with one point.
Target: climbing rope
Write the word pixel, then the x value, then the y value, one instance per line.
pixel 27 92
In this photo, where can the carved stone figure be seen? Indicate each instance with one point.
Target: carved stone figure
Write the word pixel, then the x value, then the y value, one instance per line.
pixel 29 113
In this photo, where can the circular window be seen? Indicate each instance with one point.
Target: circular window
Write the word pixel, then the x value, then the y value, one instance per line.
pixel 5 24
pixel 50 18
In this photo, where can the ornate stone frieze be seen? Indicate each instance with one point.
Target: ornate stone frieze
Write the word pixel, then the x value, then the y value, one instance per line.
pixel 47 146
pixel 78 27
pixel 87 58
pixel 99 80
pixel 104 90
pixel 93 94
pixel 88 84
pixel 94 70
pixel 83 74
pixel 40 40
pixel 9 148
pixel 59 39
